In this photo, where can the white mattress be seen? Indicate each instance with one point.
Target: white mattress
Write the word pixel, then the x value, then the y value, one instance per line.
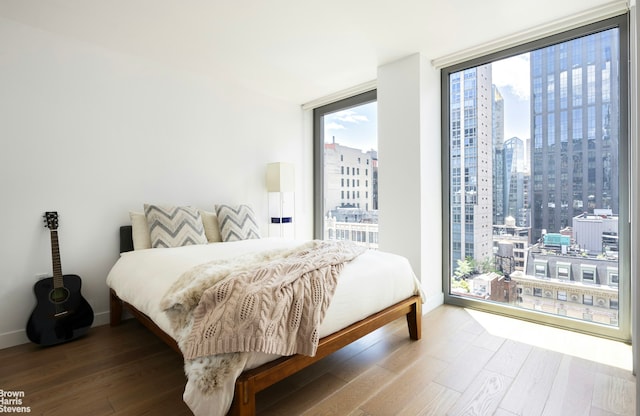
pixel 368 284
pixel 371 282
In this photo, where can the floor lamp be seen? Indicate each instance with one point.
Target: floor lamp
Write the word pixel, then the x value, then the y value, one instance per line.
pixel 281 187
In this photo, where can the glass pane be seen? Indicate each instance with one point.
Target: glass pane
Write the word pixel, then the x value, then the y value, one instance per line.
pixel 534 151
pixel 350 168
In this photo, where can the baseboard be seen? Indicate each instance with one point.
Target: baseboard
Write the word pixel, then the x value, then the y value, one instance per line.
pixel 101 318
pixel 13 338
pixel 432 302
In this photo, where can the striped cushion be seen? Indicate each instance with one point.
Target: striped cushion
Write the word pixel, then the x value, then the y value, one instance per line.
pixel 172 226
pixel 237 222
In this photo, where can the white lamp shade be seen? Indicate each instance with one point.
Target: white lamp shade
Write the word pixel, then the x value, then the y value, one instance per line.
pixel 280 177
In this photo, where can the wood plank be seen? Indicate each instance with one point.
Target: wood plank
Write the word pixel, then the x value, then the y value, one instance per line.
pixel 307 397
pixel 164 405
pixel 615 395
pixel 435 400
pixel 400 390
pixel 461 373
pixel 374 355
pixel 509 359
pixel 346 364
pixel 572 389
pixel 530 390
pixel 145 375
pixel 489 341
pixel 348 398
pixel 502 412
pixel 483 396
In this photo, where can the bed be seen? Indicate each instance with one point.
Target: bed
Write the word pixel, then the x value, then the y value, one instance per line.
pixel 385 286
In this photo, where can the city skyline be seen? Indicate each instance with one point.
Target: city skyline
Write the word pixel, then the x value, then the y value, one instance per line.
pixel 559 253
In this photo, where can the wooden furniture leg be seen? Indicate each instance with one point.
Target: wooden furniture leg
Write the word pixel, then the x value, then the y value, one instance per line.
pixel 414 321
pixel 244 399
pixel 115 308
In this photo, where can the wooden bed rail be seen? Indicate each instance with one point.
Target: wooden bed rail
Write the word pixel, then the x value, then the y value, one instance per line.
pixel 250 382
pixel 117 306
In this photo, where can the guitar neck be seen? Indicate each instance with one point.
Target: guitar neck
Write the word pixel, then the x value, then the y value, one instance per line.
pixel 55 257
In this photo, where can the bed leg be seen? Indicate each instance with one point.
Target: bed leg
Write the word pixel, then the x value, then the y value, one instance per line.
pixel 414 320
pixel 115 308
pixel 244 399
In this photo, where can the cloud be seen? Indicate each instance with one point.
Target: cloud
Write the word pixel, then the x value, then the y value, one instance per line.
pixel 513 73
pixel 341 120
pixel 350 116
pixel 334 126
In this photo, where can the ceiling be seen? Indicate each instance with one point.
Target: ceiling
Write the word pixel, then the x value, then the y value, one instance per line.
pixel 297 50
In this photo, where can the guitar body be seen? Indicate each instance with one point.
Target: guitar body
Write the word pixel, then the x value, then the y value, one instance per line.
pixel 61 314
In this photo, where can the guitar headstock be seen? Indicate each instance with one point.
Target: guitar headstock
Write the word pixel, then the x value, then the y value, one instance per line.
pixel 51 220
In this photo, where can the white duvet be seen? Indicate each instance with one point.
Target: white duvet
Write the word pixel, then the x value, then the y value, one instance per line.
pixel 368 284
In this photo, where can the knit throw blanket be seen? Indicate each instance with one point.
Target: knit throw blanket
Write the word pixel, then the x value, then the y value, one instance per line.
pixel 271 302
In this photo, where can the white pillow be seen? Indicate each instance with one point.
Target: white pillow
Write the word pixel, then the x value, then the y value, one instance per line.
pixel 140 231
pixel 211 227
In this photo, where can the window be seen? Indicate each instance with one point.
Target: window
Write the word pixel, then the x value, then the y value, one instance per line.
pixel 540 268
pixel 535 142
pixel 588 273
pixel 563 270
pixel 612 276
pixel 346 197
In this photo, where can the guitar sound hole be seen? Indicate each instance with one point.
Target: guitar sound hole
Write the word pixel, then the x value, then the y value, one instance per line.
pixel 59 295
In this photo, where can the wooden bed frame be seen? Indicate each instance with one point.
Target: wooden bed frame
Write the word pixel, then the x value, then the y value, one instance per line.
pixel 252 381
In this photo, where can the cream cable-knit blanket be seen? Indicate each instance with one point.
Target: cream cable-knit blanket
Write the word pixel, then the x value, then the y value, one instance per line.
pixel 271 302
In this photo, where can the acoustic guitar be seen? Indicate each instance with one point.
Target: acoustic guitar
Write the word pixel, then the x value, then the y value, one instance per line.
pixel 61 314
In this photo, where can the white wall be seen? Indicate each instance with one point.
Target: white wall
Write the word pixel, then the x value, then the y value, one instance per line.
pixel 410 168
pixel 93 134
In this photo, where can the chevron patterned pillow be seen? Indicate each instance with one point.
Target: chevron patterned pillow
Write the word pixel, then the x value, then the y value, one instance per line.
pixel 173 226
pixel 237 222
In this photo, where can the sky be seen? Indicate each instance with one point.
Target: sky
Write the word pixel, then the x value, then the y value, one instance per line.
pixel 357 126
pixel 511 76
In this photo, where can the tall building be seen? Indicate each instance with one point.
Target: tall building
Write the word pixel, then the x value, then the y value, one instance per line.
pixel 351 194
pixel 349 178
pixel 515 183
pixel 471 163
pixel 498 145
pixel 574 152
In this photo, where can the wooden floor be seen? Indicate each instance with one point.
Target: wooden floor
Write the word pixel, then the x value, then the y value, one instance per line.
pixel 467 363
